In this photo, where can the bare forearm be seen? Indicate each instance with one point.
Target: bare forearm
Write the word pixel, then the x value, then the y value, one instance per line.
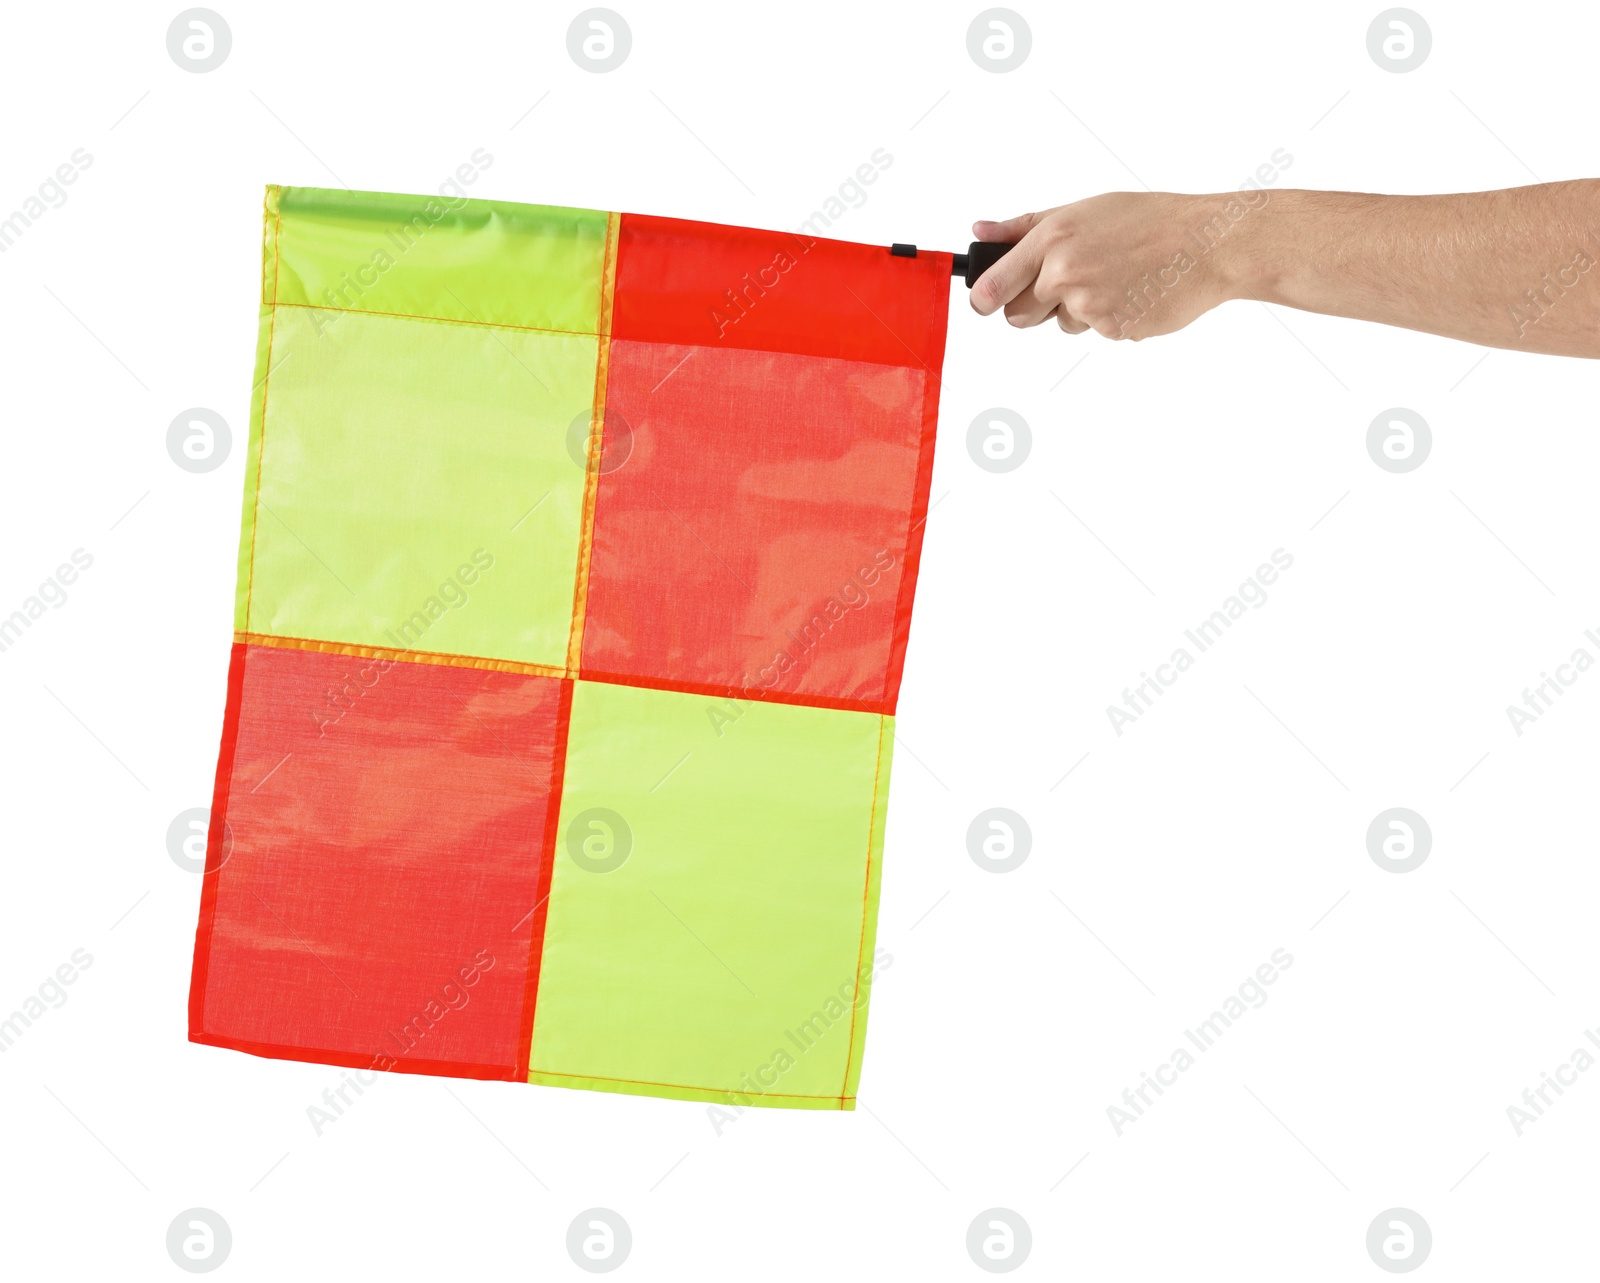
pixel 1502 268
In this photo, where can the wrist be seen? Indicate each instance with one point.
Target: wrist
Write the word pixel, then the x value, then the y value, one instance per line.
pixel 1248 265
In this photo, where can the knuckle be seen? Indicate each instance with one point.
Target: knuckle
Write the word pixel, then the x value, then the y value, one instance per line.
pixel 1059 227
pixel 1082 302
pixel 1055 277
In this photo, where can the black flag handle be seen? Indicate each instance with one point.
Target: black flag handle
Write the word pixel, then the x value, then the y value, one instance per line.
pixel 979 258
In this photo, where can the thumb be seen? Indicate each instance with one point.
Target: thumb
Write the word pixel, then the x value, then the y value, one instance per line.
pixel 1012 229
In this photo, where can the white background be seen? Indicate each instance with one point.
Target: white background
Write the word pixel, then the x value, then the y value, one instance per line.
pixel 1228 822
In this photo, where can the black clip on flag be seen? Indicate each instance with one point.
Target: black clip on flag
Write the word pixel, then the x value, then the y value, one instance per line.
pixel 979 258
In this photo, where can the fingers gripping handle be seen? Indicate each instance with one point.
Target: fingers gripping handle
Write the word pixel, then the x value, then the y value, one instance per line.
pixel 979 258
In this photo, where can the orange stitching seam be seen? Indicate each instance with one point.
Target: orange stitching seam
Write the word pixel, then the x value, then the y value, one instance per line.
pixel 447 320
pixel 866 887
pixel 596 450
pixel 648 1082
pixel 266 387
pixel 281 642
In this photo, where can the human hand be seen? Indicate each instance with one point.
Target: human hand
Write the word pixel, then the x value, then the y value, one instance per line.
pixel 1127 265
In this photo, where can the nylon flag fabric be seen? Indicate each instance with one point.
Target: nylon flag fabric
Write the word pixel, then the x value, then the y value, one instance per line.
pixel 574 590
